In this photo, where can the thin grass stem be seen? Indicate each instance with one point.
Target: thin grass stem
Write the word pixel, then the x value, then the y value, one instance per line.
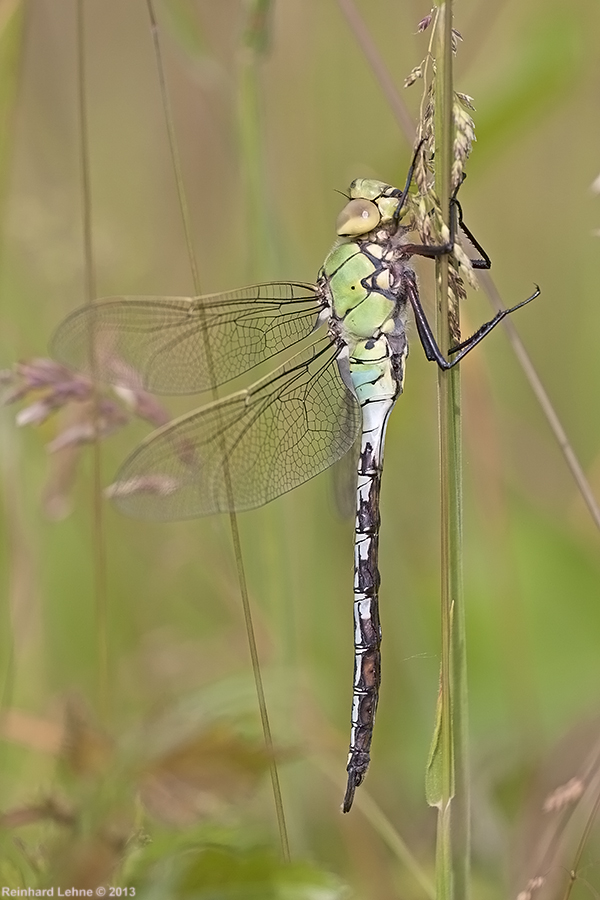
pixel 581 845
pixel 450 489
pixel 12 17
pixel 543 399
pixel 12 21
pixel 255 42
pixel 235 534
pixel 380 70
pixel 98 528
pixel 380 823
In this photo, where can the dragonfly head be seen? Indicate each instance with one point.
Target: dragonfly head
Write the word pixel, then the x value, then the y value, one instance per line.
pixel 371 203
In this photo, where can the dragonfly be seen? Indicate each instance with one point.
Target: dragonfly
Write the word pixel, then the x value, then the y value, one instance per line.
pixel 333 395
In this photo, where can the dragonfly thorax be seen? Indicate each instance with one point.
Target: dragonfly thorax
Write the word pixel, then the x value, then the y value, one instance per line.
pixel 361 281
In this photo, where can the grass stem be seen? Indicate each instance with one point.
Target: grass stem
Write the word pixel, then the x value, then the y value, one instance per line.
pixel 453 823
pixel 98 528
pixel 235 535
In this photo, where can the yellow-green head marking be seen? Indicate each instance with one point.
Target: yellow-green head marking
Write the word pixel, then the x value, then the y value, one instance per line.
pixel 372 203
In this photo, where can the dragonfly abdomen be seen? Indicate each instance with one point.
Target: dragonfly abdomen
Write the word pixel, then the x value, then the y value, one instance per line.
pixel 377 389
pixel 367 630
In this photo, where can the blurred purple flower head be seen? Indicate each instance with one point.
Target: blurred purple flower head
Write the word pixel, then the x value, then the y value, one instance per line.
pixel 86 414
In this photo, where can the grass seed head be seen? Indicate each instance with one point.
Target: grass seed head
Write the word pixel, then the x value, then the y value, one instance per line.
pixel 533 885
pixel 564 795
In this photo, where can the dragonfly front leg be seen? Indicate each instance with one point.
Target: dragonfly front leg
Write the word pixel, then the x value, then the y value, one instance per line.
pixel 404 194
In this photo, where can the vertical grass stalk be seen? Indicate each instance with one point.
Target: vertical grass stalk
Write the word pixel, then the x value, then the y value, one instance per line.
pixel 235 535
pixel 255 42
pixel 11 52
pixel 98 531
pixel 453 817
pixel 254 47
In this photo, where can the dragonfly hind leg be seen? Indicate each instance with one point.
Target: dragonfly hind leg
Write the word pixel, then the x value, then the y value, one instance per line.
pixel 429 343
pixel 485 329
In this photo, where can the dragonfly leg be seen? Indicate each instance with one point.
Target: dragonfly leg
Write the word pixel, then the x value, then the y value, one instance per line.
pixel 481 332
pixel 483 263
pixel 429 343
pixel 434 250
pixel 409 178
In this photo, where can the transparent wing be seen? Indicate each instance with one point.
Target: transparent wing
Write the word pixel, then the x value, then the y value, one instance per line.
pixel 267 440
pixel 158 343
pixel 344 482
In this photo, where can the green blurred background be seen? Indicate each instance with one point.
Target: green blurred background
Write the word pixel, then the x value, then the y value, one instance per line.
pixel 261 184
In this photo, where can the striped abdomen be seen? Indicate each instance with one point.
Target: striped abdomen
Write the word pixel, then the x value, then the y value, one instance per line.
pixel 378 383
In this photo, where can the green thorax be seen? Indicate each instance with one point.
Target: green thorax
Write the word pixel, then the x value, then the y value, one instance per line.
pixel 359 268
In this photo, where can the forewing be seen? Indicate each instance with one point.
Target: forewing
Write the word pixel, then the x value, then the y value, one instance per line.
pixel 266 440
pixel 180 345
pixel 344 482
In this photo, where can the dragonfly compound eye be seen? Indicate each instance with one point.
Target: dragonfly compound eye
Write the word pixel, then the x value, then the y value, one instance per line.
pixel 357 217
